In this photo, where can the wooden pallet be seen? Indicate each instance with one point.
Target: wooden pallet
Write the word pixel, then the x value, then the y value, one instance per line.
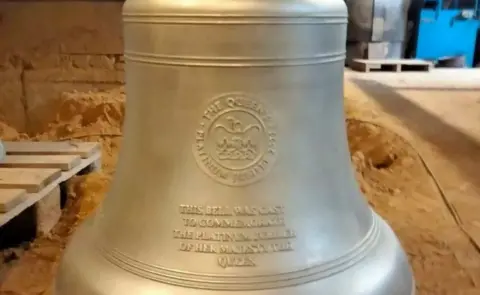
pixel 390 65
pixel 32 174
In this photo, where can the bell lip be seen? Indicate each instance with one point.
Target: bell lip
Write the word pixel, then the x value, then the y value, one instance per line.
pixel 212 281
pixel 85 245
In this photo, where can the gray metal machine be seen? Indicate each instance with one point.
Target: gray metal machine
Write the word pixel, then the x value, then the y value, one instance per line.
pixel 377 29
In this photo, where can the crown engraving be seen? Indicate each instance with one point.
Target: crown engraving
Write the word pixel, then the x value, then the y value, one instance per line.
pixel 236 143
pixel 236 140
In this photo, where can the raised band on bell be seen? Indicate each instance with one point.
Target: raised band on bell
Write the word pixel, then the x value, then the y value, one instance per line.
pixel 235 118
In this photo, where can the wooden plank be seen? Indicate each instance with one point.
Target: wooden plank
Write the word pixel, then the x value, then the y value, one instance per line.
pixel 33 198
pixel 394 65
pixel 48 211
pixel 359 66
pixel 31 179
pixel 63 162
pixel 9 198
pixel 393 61
pixel 83 149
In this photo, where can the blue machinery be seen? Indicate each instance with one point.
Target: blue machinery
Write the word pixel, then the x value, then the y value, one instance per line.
pixel 448 29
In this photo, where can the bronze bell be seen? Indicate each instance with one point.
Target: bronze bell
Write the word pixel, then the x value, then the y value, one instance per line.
pixel 234 175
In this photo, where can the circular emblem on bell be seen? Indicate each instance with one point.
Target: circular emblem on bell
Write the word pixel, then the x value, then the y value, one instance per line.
pixel 236 140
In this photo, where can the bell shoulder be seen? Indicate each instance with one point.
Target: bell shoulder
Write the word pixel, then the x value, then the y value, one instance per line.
pixel 246 8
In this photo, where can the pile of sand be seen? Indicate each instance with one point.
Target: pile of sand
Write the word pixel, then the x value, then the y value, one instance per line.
pixel 88 114
pixel 389 172
pixel 399 188
pixel 91 116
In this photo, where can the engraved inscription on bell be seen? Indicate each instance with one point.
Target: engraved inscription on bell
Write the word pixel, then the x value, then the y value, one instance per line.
pixel 235 143
pixel 263 231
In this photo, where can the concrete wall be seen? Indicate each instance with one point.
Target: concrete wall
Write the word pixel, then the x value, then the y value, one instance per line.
pixel 48 47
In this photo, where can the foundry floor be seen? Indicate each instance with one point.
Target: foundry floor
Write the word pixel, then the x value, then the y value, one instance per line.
pixel 438 113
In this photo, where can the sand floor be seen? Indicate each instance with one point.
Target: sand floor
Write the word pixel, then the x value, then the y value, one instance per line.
pixel 431 208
